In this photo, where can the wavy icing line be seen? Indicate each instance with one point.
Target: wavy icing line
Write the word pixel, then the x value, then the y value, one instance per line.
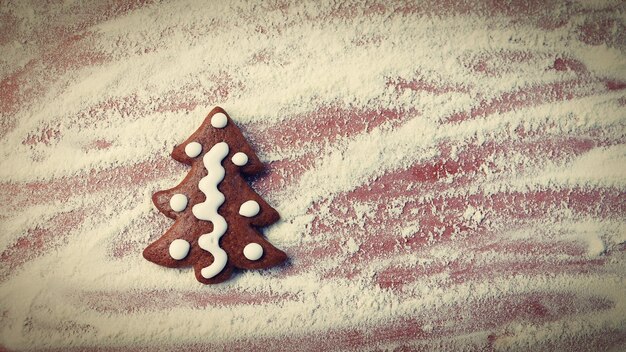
pixel 207 210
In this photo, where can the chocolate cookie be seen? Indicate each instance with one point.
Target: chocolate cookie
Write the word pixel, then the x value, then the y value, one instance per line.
pixel 216 212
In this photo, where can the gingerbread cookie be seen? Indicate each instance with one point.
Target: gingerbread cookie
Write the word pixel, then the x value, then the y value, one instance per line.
pixel 216 212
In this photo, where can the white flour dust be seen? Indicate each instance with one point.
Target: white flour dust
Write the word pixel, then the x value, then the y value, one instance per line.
pixel 87 133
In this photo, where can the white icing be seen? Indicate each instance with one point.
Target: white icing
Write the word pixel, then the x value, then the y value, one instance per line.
pixel 178 202
pixel 179 249
pixel 219 120
pixel 240 159
pixel 249 209
pixel 253 251
pixel 193 149
pixel 207 210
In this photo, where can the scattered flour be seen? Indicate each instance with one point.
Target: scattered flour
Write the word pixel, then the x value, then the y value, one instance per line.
pixel 351 246
pixel 158 69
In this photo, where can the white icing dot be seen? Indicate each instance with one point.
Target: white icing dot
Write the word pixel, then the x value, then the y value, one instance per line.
pixel 219 120
pixel 193 149
pixel 253 251
pixel 240 159
pixel 178 202
pixel 179 249
pixel 249 209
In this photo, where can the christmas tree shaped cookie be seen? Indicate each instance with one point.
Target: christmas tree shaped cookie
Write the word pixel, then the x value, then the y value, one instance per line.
pixel 216 212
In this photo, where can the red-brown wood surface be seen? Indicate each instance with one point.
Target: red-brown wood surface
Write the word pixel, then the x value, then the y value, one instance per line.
pixel 449 175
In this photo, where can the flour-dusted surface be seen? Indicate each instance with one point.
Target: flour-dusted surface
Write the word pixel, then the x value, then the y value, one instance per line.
pixel 449 176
